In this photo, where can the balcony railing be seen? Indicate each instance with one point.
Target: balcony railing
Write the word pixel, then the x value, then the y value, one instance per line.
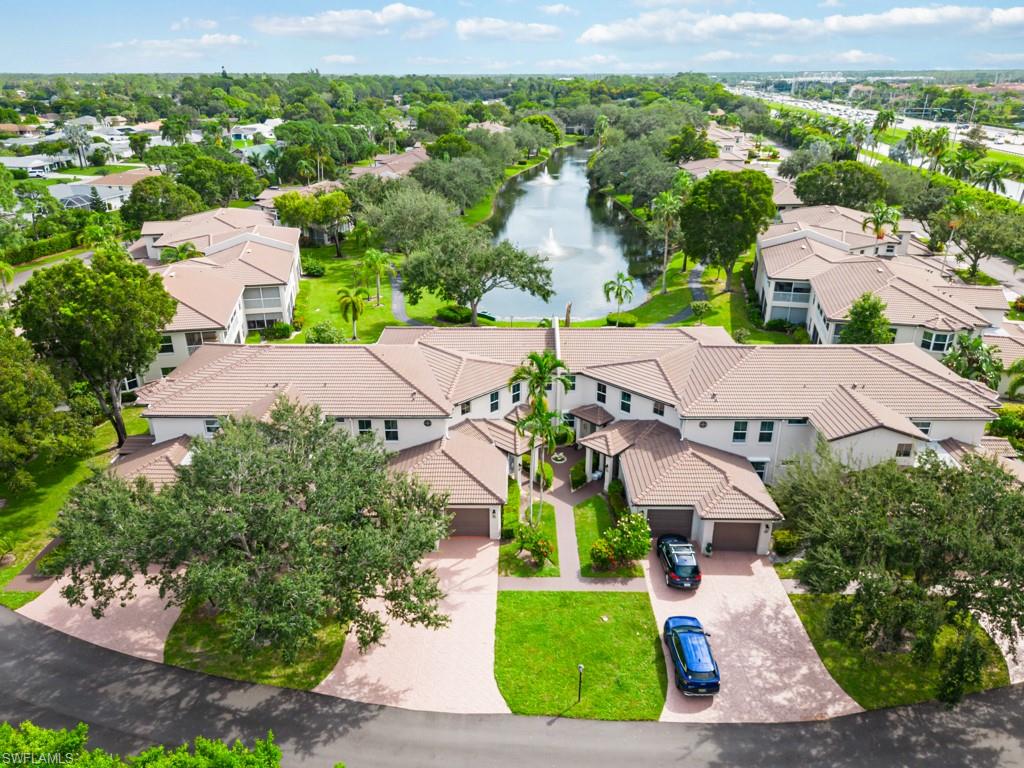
pixel 796 297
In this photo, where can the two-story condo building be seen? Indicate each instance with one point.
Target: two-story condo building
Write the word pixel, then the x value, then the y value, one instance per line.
pixel 692 423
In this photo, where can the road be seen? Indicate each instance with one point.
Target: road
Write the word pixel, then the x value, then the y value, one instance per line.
pixel 20 278
pixel 56 681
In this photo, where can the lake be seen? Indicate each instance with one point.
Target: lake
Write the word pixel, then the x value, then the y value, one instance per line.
pixel 587 239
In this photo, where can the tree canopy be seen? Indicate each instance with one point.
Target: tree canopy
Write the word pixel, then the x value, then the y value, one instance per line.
pixel 867 322
pixel 406 215
pixel 160 198
pixel 847 182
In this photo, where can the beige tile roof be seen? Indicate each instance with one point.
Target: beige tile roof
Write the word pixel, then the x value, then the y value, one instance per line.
pixel 205 300
pixel 977 296
pixel 594 414
pixel 801 259
pixel 1000 446
pixel 989 449
pixel 464 376
pixel 396 165
pixel 508 345
pixel 701 168
pixel 847 411
pixel 203 226
pixel 620 436
pixel 660 470
pixel 249 263
pixel 349 381
pixel 123 179
pixel 469 470
pixel 499 432
pixel 157 462
pixel 1008 339
pixel 840 229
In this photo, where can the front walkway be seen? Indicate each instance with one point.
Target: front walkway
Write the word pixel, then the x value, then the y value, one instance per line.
pixel 563 499
pixel 697 293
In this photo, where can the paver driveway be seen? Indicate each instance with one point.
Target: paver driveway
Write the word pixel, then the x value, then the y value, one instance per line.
pixel 444 670
pixel 770 671
pixel 139 629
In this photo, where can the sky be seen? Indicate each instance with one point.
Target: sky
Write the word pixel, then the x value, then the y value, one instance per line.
pixel 505 36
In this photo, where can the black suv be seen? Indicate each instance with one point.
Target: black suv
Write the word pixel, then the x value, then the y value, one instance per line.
pixel 679 559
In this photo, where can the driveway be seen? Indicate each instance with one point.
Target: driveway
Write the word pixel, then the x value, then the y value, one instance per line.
pixel 445 670
pixel 770 671
pixel 139 629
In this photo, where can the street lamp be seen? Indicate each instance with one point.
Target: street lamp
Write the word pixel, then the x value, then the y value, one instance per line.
pixel 579 690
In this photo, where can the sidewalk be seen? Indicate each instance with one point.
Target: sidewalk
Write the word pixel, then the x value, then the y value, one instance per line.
pixel 563 499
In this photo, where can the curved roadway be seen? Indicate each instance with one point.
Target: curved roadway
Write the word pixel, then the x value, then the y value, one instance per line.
pixel 56 681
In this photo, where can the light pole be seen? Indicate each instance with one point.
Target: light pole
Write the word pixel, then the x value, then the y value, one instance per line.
pixel 579 690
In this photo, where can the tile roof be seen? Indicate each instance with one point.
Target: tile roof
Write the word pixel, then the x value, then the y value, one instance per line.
pixel 1008 339
pixel 205 300
pixel 155 462
pixel 464 466
pixel 200 228
pixel 847 411
pixel 125 178
pixel 801 259
pixel 499 432
pixel 989 449
pixel 594 414
pixel 621 436
pixel 661 470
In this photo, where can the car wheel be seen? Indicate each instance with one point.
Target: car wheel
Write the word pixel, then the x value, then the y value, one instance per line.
pixel 667 582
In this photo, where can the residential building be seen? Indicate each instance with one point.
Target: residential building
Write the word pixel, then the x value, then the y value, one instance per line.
pixel 113 189
pixel 35 165
pixel 690 422
pixel 394 166
pixel 783 190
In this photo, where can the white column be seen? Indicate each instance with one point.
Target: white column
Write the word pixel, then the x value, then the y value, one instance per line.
pixel 589 454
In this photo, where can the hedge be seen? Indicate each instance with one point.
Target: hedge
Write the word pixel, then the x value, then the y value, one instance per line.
pixel 578 474
pixel 453 313
pixel 617 497
pixel 621 319
pixel 45 247
pixel 510 512
pixel 547 469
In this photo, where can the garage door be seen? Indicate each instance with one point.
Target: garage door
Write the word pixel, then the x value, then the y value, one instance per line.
pixel 736 536
pixel 668 520
pixel 471 522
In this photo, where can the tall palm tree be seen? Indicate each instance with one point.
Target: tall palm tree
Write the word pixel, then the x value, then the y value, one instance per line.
pixel 545 431
pixel 621 290
pixel 304 170
pixel 186 250
pixel 916 141
pixel 859 134
pixel 665 211
pixel 272 157
pixel 991 176
pixel 353 304
pixel 884 120
pixel 879 217
pixel 377 263
pixel 936 142
pixel 1016 172
pixel 600 128
pixel 958 164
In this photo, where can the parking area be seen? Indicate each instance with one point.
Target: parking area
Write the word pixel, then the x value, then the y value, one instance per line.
pixel 769 668
pixel 445 670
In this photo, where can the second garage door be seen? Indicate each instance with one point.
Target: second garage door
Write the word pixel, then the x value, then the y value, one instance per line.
pixel 736 536
pixel 471 522
pixel 668 520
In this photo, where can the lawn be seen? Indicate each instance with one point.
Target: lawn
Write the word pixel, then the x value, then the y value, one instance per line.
pixel 97 170
pixel 541 637
pixel 46 261
pixel 241 204
pixel 876 680
pixel 510 564
pixel 28 518
pixel 318 298
pixel 510 512
pixel 593 517
pixel 200 642
pixel 981 278
pixel 789 569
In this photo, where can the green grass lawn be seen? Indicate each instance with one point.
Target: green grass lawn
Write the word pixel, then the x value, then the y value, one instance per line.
pixel 200 642
pixel 510 512
pixel 876 680
pixel 593 517
pixel 318 298
pixel 28 518
pixel 46 261
pixel 542 636
pixel 510 564
pixel 789 569
pixel 45 182
pixel 96 170
pixel 241 204
pixel 981 278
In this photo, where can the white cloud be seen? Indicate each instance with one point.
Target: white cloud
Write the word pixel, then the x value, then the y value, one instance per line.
pixel 906 17
pixel 424 30
pixel 1002 58
pixel 487 27
pixel 716 57
pixel 784 59
pixel 347 24
pixel 187 48
pixel 857 56
pixel 597 63
pixel 558 9
pixel 339 58
pixel 189 23
pixel 830 4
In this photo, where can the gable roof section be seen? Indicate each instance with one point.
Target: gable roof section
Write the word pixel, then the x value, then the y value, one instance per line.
pixel 468 469
pixel 801 258
pixel 205 301
pixel 1008 339
pixel 157 462
pixel 846 412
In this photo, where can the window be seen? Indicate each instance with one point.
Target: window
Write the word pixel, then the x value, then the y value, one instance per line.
pixel 569 420
pixel 195 339
pixel 760 467
pixel 572 383
pixel 764 434
pixel 924 426
pixel 365 426
pixel 166 344
pixel 602 393
pixel 127 385
pixel 797 421
pixel 166 371
pixel 659 408
pixel 495 401
pixel 626 402
pixel 903 450
pixel 339 419
pixel 258 322
pixel 517 392
pixel 739 431
pixel 464 407
pixel 261 297
pixel 211 426
pixel 935 342
pixel 391 429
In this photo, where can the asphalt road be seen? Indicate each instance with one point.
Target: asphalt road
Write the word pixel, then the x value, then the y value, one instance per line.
pixel 22 277
pixel 56 681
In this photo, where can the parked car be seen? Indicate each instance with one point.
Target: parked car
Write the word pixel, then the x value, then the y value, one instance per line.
pixel 679 560
pixel 696 671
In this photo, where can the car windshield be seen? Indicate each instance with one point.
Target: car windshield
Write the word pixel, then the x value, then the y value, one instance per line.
pixel 686 570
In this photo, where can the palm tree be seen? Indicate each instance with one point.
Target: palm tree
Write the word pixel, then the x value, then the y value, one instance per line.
pixel 916 141
pixel 879 217
pixel 376 263
pixel 353 304
pixel 544 430
pixel 973 359
pixel 6 278
pixel 621 290
pixel 1016 372
pixel 272 157
pixel 990 176
pixel 958 164
pixel 1016 172
pixel 936 141
pixel 859 135
pixel 304 170
pixel 600 128
pixel 665 211
pixel 884 120
pixel 186 250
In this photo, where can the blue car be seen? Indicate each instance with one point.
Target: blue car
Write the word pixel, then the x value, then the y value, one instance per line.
pixel 695 667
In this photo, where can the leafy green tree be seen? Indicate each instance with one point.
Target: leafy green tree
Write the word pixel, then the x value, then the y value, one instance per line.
pixel 463 181
pixel 461 264
pixel 33 423
pixel 973 359
pixel 376 264
pixel 690 144
pixel 867 323
pixel 100 324
pixel 847 182
pixel 990 233
pixel 353 303
pixel 138 142
pixel 700 310
pixel 243 541
pixel 160 198
pixel 406 216
pixel 175 129
pixel 439 118
pixel 6 278
pixel 218 182
pixel 450 146
pixel 723 215
pixel 620 290
pixel 549 125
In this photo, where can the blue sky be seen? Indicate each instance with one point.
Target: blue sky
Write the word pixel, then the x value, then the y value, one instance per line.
pixel 500 36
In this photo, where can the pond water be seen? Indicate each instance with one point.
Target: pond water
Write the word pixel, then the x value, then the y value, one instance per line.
pixel 551 210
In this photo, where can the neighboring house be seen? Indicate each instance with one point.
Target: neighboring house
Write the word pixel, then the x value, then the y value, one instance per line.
pixel 35 165
pixel 692 423
pixel 314 234
pixel 20 130
pixel 490 126
pixel 254 150
pixel 78 196
pixel 783 190
pixel 394 166
pixel 1008 341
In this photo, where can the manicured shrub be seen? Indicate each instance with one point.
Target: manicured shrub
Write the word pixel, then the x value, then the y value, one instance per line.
pixel 621 319
pixel 45 247
pixel 19 174
pixel 701 309
pixel 278 330
pixel 455 314
pixel 801 336
pixel 547 472
pixel 313 268
pixel 602 556
pixel 324 333
pixel 779 324
pixel 785 542
pixel 741 335
pixel 510 512
pixel 530 539
pixel 566 436
pixel 631 538
pixel 617 497
pixel 1018 304
pixel 578 474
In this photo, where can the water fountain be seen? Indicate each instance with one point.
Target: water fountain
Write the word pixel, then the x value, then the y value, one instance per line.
pixel 549 246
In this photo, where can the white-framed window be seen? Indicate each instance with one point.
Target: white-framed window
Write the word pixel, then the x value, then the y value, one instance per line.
pixel 210 426
pixel 760 467
pixel 365 426
pixel 259 322
pixel 495 401
pixel 464 407
pixel 659 408
pixel 626 402
pixel 602 393
pixel 903 450
pixel 766 432
pixel 517 392
pixel 924 426
pixel 797 421
pixel 262 297
pixel 391 430
pixel 196 339
pixel 936 342
pixel 127 385
pixel 739 431
pixel 166 344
